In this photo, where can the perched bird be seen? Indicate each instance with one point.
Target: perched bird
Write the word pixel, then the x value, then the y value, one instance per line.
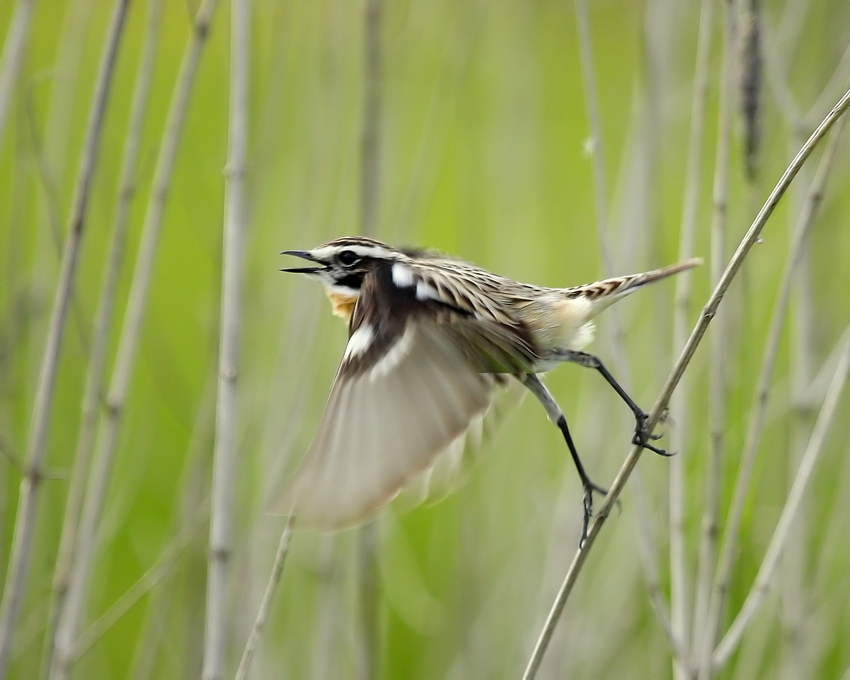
pixel 430 339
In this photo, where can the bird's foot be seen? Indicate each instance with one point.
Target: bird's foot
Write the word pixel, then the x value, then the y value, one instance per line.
pixel 589 489
pixel 643 437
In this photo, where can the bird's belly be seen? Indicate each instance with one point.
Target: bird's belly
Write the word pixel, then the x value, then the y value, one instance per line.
pixel 562 324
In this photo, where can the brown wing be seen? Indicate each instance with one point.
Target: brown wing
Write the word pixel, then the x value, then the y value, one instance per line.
pixel 384 424
pixel 415 374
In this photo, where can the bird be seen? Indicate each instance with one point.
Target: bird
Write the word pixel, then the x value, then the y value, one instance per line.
pixel 431 340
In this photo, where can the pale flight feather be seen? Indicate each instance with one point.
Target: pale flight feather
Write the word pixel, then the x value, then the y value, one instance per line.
pixel 382 428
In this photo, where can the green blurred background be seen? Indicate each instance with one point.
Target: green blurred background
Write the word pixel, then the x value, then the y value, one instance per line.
pixel 483 153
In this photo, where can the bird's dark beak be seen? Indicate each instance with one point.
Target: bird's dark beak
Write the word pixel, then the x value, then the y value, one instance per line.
pixel 305 255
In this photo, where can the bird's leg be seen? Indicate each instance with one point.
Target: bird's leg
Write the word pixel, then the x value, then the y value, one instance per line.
pixel 556 415
pixel 643 436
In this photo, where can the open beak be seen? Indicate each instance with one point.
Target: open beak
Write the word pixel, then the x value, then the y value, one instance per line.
pixel 305 255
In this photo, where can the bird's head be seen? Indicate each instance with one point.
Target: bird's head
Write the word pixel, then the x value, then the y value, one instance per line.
pixel 342 264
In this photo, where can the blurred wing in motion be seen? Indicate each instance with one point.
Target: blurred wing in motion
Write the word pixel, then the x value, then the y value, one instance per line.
pixel 398 401
pixel 451 466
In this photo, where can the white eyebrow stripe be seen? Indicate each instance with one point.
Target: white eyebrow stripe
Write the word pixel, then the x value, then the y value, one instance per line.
pixel 328 252
pixel 359 342
pixel 402 275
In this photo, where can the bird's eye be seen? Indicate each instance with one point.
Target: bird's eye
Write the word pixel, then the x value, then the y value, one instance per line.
pixel 348 257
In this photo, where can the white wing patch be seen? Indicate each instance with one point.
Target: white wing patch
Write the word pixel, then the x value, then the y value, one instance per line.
pixel 402 276
pixel 359 341
pixel 393 356
pixel 426 292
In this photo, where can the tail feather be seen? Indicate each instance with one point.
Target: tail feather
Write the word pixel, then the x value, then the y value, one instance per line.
pixel 605 293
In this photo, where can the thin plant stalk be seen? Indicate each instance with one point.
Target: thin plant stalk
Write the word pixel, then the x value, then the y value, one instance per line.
pixel 647 552
pixel 13 57
pixel 370 186
pixel 97 359
pixel 58 128
pixel 836 82
pixel 48 181
pixel 597 151
pixel 820 383
pixel 793 582
pixel 146 582
pixel 224 461
pixel 756 422
pixel 193 510
pixel 600 185
pixel 789 512
pixel 675 376
pixel 793 588
pixel 646 545
pixel 775 49
pixel 719 348
pixel 265 604
pixel 600 193
pixel 116 397
pixel 53 213
pixel 22 541
pixel 793 622
pixel 368 575
pixel 679 600
pixel 441 107
pixel 370 159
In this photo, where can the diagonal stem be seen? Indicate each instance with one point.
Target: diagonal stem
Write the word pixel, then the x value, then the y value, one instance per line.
pixel 265 604
pixel 726 559
pixel 675 376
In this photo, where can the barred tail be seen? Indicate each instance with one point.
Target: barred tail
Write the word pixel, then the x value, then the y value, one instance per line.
pixel 605 293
